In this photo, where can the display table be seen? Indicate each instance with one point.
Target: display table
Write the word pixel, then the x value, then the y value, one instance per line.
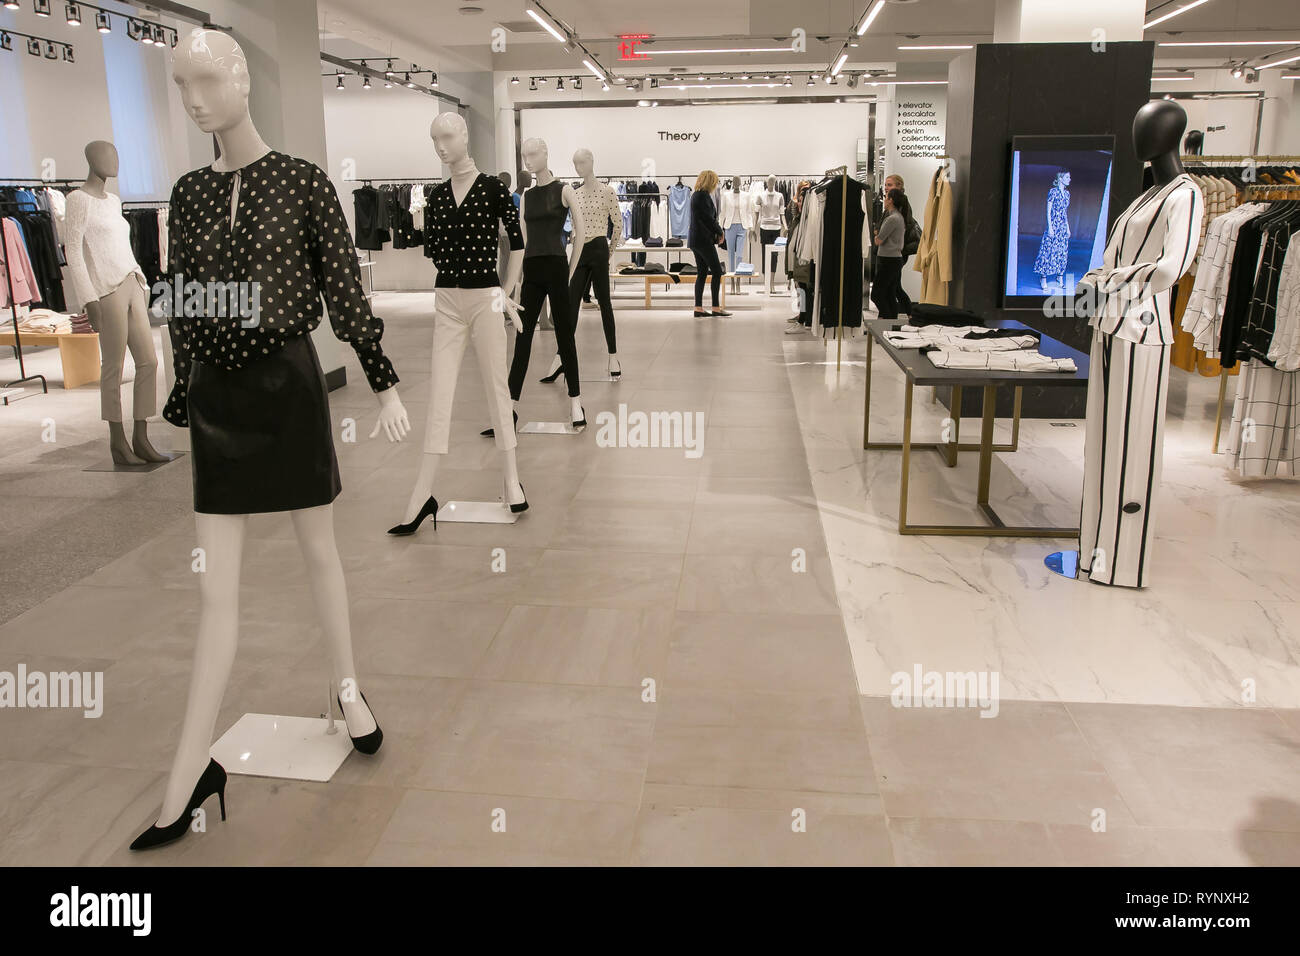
pixel 78 351
pixel 663 278
pixel 919 370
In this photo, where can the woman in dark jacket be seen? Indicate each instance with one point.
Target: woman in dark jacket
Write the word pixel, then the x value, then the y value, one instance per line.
pixel 704 237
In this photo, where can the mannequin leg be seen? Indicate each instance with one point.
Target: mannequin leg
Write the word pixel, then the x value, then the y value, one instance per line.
pixel 490 348
pixel 600 283
pixel 449 337
pixel 329 590
pixel 531 297
pixel 564 318
pixel 222 539
pixel 113 319
pixel 144 396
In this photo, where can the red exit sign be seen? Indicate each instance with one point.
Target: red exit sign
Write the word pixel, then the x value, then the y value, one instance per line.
pixel 628 44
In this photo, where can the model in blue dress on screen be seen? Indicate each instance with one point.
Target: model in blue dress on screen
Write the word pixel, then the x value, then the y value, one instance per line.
pixel 1055 247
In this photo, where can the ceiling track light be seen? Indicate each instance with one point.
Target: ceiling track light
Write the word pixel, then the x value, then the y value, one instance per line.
pixel 1173 13
pixel 596 70
pixel 433 80
pixel 545 23
pixel 50 52
pixel 409 84
pixel 42 7
pixel 73 14
pixel 339 85
pixel 388 71
pixel 869 17
pixel 365 83
pixel 12 4
pixel 576 82
pixel 514 81
pixel 102 22
pixel 532 84
pixel 6 42
pixel 559 83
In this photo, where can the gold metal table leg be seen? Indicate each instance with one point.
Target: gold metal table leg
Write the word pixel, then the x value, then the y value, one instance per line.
pixel 905 477
pixel 1218 415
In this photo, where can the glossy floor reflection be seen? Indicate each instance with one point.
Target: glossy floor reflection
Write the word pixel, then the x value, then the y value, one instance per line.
pixel 671 660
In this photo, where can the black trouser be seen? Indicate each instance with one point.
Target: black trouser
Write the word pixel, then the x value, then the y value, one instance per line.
pixel 593 273
pixel 765 239
pixel 545 277
pixel 884 291
pixel 707 264
pixel 904 300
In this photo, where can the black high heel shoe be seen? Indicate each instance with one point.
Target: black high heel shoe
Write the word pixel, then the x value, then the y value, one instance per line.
pixel 492 433
pixel 212 780
pixel 580 423
pixel 371 741
pixel 515 509
pixel 430 508
pixel 548 379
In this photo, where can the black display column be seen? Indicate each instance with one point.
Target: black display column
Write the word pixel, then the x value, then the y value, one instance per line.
pixel 1002 90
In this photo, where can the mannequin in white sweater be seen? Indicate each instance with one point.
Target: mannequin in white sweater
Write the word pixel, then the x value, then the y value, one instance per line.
pixel 111 286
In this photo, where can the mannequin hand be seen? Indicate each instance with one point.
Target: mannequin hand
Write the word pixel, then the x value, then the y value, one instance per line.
pixel 1085 300
pixel 511 308
pixel 92 315
pixel 392 416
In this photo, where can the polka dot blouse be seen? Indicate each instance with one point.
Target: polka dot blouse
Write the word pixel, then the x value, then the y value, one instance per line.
pixel 290 237
pixel 462 240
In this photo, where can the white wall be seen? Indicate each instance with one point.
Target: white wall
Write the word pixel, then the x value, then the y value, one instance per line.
pixel 783 138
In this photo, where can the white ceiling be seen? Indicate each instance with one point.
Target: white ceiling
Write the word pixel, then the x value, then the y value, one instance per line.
pixel 450 40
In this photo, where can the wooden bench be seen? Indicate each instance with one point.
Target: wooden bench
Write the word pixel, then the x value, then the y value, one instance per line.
pixel 659 278
pixel 79 352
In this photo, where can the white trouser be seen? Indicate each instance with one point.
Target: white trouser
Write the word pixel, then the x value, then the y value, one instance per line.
pixel 1123 450
pixel 458 315
pixel 124 324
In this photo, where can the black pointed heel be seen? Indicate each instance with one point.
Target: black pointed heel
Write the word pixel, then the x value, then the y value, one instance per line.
pixel 430 508
pixel 371 741
pixel 580 423
pixel 520 508
pixel 492 432
pixel 212 780
pixel 548 379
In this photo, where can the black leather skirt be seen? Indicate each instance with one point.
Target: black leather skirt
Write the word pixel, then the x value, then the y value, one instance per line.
pixel 261 436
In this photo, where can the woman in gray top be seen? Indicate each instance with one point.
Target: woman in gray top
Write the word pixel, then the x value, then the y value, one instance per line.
pixel 889 255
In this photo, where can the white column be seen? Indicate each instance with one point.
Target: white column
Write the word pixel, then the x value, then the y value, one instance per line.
pixel 1064 21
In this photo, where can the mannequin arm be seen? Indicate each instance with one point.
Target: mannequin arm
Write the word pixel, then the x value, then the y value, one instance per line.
pixel 392 415
pixel 579 228
pixel 1141 279
pixel 616 218
pixel 74 236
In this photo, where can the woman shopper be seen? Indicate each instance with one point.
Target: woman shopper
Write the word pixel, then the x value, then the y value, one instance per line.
pixel 911 232
pixel 889 255
pixel 705 235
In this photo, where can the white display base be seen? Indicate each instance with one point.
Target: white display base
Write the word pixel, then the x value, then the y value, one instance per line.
pixel 606 378
pixel 550 428
pixel 477 512
pixel 292 748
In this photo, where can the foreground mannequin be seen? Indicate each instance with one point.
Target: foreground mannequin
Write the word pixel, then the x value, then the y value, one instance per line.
pixel 598 209
pixel 547 275
pixel 253 395
pixel 112 287
pixel 1151 246
pixel 462 226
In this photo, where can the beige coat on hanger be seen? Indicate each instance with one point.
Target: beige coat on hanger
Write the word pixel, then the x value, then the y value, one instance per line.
pixel 934 254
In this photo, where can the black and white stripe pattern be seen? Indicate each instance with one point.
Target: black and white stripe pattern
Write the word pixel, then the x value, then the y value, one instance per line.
pixel 1151 246
pixel 1123 451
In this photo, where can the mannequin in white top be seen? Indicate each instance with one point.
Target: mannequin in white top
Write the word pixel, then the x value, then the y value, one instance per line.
pixel 212 74
pixel 111 285
pixel 769 212
pixel 467 311
pixel 598 206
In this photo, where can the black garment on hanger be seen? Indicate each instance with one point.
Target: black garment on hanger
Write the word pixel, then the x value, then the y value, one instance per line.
pixel 365 214
pixel 37 229
pixel 144 242
pixel 1261 316
pixel 845 309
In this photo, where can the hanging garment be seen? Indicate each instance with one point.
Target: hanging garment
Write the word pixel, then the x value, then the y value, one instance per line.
pixel 1203 316
pixel 1265 430
pixel 1261 317
pixel 842 244
pixel 1151 246
pixel 1284 353
pixel 37 232
pixel 934 254
pixel 16 269
pixel 366 207
pixel 679 210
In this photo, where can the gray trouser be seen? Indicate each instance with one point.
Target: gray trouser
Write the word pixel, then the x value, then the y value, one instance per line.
pixel 124 324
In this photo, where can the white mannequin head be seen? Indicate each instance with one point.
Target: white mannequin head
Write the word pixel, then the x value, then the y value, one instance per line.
pixel 584 162
pixel 771 184
pixel 536 156
pixel 735 184
pixel 101 158
pixel 212 74
pixel 450 137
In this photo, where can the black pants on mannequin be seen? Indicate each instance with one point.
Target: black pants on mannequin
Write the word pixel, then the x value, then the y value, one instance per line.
pixel 707 264
pixel 593 273
pixel 545 278
pixel 885 290
pixel 765 238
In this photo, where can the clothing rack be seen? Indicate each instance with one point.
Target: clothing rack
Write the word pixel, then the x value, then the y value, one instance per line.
pixel 40 182
pixel 7 206
pixel 396 179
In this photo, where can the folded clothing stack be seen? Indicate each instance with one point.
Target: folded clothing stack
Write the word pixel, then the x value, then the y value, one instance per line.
pixel 1022 360
pixel 744 268
pixel 81 324
pixel 654 242
pixel 924 313
pixel 45 321
pixel 962 338
pixel 676 242
pixel 683 268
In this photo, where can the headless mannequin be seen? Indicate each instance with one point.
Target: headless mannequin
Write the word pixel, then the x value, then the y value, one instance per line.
pixel 212 74
pixel 584 162
pixel 114 310
pixel 450 137
pixel 537 162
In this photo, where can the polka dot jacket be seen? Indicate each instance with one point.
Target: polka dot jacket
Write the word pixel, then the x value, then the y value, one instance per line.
pixel 462 240
pixel 290 237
